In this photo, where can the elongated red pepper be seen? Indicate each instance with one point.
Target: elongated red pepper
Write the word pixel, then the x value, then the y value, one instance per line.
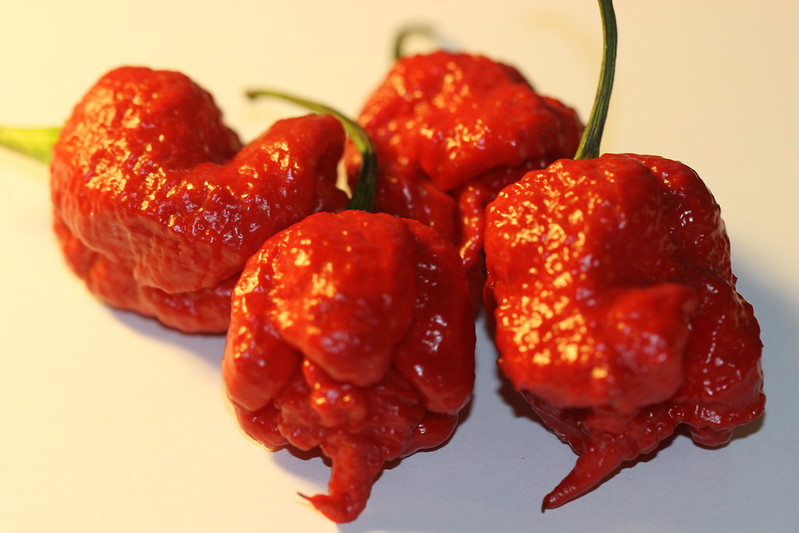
pixel 615 305
pixel 451 130
pixel 158 205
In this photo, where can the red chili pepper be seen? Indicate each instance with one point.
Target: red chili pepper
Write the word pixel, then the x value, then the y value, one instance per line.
pixel 451 130
pixel 352 332
pixel 158 205
pixel 615 305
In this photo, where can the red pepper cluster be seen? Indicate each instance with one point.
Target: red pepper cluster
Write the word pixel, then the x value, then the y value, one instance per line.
pixel 348 331
pixel 606 280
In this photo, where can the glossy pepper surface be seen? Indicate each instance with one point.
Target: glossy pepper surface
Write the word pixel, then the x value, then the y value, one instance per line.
pixel 157 203
pixel 616 310
pixel 351 332
pixel 451 130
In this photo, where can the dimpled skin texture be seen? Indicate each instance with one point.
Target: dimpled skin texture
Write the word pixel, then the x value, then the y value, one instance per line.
pixel 157 204
pixel 616 312
pixel 354 333
pixel 451 130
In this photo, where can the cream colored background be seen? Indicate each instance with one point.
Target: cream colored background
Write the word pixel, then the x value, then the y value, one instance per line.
pixel 109 422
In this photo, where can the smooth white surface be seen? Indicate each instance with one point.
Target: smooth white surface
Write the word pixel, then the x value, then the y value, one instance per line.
pixel 109 422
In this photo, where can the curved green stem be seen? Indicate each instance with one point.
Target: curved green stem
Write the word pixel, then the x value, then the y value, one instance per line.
pixel 364 191
pixel 409 31
pixel 592 137
pixel 33 142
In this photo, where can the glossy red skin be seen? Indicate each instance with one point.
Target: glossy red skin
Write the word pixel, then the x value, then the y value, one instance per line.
pixel 451 130
pixel 616 312
pixel 158 205
pixel 351 332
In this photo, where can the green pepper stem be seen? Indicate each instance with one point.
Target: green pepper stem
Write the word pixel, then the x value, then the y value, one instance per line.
pixel 33 142
pixel 592 137
pixel 409 31
pixel 363 192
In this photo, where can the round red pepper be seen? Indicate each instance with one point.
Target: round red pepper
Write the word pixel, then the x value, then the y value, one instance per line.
pixel 351 332
pixel 157 204
pixel 452 129
pixel 615 307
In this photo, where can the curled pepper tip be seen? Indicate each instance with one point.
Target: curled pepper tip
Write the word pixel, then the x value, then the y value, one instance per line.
pixel 339 510
pixel 553 500
pixel 558 497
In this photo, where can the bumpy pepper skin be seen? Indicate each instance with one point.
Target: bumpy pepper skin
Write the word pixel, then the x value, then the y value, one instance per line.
pixel 158 205
pixel 615 309
pixel 451 130
pixel 351 332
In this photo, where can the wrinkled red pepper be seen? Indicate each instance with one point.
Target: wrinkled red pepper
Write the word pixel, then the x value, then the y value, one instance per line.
pixel 615 306
pixel 158 205
pixel 351 332
pixel 616 310
pixel 451 130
